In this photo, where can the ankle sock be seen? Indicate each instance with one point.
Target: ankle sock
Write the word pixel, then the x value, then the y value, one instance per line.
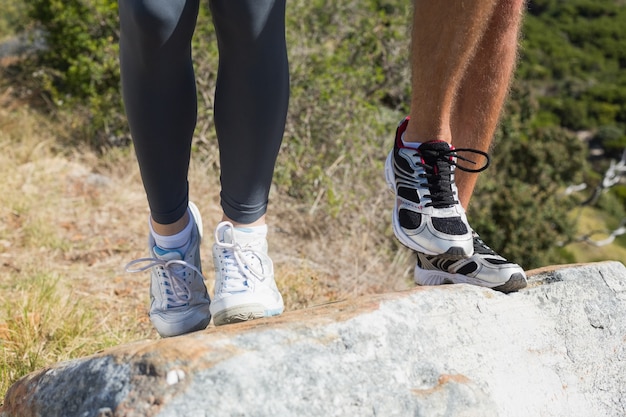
pixel 252 230
pixel 255 235
pixel 245 234
pixel 179 242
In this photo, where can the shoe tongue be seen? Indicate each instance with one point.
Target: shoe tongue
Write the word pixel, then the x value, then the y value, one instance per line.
pixel 167 255
pixel 431 153
pixel 244 237
pixel 225 235
pixel 240 237
pixel 435 145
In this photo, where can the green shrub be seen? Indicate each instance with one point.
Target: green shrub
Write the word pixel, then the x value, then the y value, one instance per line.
pixel 578 41
pixel 612 139
pixel 79 66
pixel 518 206
pixel 12 18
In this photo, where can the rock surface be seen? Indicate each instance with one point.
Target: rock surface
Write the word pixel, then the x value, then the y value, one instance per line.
pixel 556 348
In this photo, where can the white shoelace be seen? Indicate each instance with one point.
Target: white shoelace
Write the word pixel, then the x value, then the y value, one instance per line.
pixel 173 279
pixel 238 263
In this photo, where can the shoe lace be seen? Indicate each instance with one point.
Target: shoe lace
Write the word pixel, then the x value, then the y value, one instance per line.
pixel 438 167
pixel 238 264
pixel 174 272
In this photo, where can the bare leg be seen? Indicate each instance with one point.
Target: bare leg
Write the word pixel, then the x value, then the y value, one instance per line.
pixel 484 88
pixel 170 229
pixel 463 54
pixel 445 37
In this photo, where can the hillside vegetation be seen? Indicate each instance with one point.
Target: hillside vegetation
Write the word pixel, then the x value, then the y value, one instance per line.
pixel 350 86
pixel 72 209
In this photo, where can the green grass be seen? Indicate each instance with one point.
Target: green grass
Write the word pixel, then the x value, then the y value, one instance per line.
pixel 595 223
pixel 42 322
pixel 54 304
pixel 11 19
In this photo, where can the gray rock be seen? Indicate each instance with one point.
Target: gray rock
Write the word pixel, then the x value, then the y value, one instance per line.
pixel 557 348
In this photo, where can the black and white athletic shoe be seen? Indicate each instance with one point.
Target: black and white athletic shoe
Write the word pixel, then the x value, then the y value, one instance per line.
pixel 427 216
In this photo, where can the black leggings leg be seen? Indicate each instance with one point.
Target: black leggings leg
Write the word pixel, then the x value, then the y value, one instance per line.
pixel 159 93
pixel 250 100
pixel 158 87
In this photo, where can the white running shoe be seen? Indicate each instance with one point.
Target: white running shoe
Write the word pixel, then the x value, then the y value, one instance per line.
pixel 244 277
pixel 427 216
pixel 179 299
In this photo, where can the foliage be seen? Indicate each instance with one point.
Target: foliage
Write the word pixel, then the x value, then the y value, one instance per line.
pixel 620 193
pixel 13 17
pixel 519 207
pixel 347 58
pixel 350 84
pixel 42 323
pixel 612 205
pixel 612 139
pixel 78 68
pixel 574 53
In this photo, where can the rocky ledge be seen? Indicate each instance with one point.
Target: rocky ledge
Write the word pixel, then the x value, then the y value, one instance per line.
pixel 556 348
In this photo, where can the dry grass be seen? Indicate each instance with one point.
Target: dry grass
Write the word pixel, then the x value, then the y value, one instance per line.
pixel 70 221
pixel 62 293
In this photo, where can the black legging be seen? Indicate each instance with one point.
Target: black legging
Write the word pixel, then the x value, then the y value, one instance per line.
pixel 251 97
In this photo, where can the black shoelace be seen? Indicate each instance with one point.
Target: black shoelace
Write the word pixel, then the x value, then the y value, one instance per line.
pixel 438 172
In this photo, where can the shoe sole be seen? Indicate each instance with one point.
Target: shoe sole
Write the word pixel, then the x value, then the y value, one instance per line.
pixel 516 281
pixel 168 329
pixel 454 252
pixel 244 312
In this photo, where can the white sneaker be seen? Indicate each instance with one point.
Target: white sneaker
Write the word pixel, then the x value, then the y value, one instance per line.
pixel 179 301
pixel 427 216
pixel 244 277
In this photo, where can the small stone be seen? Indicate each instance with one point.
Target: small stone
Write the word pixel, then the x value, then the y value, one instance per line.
pixel 175 376
pixel 105 412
